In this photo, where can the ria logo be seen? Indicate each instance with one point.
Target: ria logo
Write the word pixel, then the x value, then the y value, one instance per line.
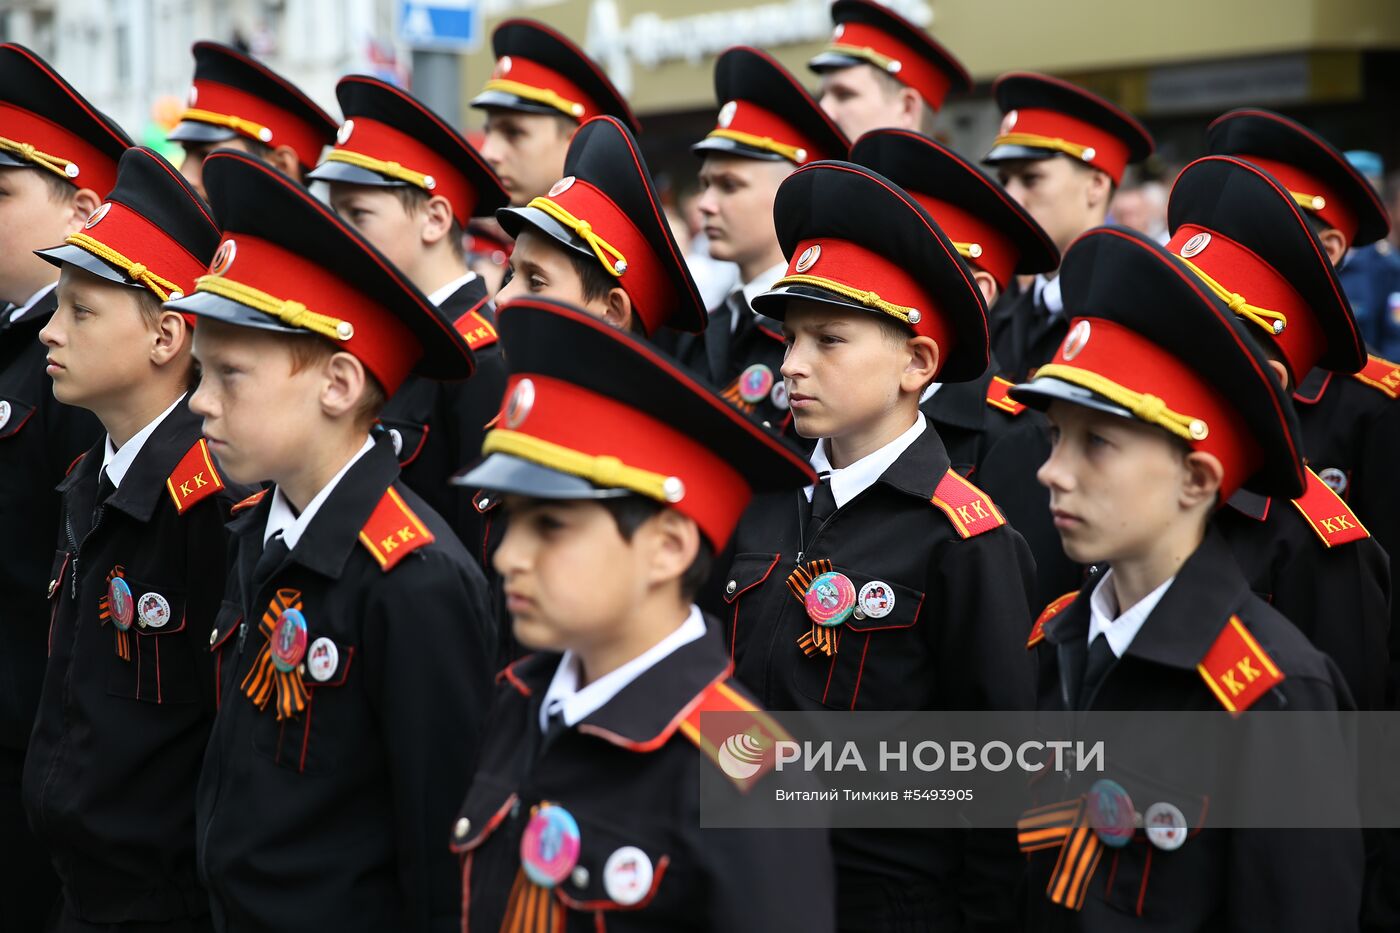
pixel 742 754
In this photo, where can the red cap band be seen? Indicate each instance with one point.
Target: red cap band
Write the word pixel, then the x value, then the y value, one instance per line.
pixel 387 144
pixel 914 68
pixel 95 170
pixel 543 78
pixel 1109 153
pixel 741 116
pixel 120 228
pixel 1335 211
pixel 998 254
pixel 286 128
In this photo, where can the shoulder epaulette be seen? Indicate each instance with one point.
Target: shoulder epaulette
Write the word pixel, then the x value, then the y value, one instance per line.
pixel 1381 374
pixel 248 503
pixel 997 397
pixel 76 460
pixel 475 329
pixel 393 531
pixel 1328 515
pixel 194 479
pixel 969 509
pixel 740 744
pixel 1049 612
pixel 1236 669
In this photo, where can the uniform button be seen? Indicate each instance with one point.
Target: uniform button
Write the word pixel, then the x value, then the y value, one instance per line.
pixel 213 637
pixel 463 827
pixel 53 585
pixel 580 877
pixel 731 586
pixel 485 502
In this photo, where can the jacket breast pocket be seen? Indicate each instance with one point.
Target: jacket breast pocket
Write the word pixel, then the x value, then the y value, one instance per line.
pixel 876 661
pixel 14 415
pixel 159 666
pixel 408 438
pixel 306 742
pixel 742 628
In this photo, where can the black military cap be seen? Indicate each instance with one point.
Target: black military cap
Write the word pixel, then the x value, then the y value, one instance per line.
pixel 390 139
pixel 606 209
pixel 46 124
pixel 1247 238
pixel 857 240
pixel 287 263
pixel 1148 341
pixel 991 231
pixel 870 33
pixel 1318 177
pixel 592 412
pixel 236 95
pixel 766 114
pixel 1045 117
pixel 538 70
pixel 153 231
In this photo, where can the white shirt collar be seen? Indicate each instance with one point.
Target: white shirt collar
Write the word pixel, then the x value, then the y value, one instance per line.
pixel 34 299
pixel 757 286
pixel 283 519
pixel 1120 628
pixel 450 289
pixel 849 482
pixel 930 391
pixel 577 704
pixel 1047 292
pixel 117 462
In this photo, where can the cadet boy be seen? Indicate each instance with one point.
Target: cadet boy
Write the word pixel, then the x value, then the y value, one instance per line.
pixel 1162 407
pixel 58 157
pixel 623 473
pixel 991 439
pixel 768 125
pixel 880 70
pixel 1060 154
pixel 236 102
pixel 409 184
pixel 125 713
pixel 876 304
pixel 542 89
pixel 354 649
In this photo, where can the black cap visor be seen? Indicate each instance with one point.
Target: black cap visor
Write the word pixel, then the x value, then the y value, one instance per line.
pixel 513 219
pixel 352 175
pixel 731 147
pixel 217 308
pixel 1039 393
pixel 511 475
pixel 193 131
pixel 77 256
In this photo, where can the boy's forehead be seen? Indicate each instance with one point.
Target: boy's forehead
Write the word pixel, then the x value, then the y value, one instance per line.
pixel 803 312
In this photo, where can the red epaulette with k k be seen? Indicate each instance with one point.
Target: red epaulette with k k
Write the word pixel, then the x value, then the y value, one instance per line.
pixel 969 509
pixel 393 531
pixel 1056 606
pixel 1236 669
pixel 741 743
pixel 1328 515
pixel 248 503
pixel 997 396
pixel 1381 374
pixel 194 479
pixel 475 329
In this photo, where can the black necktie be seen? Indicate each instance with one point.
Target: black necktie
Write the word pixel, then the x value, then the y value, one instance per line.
pixel 719 333
pixel 553 728
pixel 274 553
pixel 1100 659
pixel 822 507
pixel 105 488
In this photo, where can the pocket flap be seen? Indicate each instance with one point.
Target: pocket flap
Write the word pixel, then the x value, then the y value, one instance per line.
pixel 748 571
pixel 881 604
pixel 14 415
pixel 408 438
pixel 156 609
pixel 485 809
pixel 327 663
pixel 615 871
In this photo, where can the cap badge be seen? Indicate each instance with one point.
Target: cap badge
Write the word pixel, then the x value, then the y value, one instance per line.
pixel 5 411
pixel 755 383
pixel 288 642
pixel 223 257
pixel 521 401
pixel 839 31
pixel 1111 813
pixel 1165 826
pixel 503 66
pixel 322 659
pixel 809 258
pixel 830 599
pixel 550 846
pixel 1008 122
pixel 342 135
pixel 1076 340
pixel 560 186
pixel 119 603
pixel 192 96
pixel 153 610
pixel 726 113
pixel 627 875
pixel 96 217
pixel 1195 246
pixel 876 600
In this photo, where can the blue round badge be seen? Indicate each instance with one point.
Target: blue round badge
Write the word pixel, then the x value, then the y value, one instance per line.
pixel 830 599
pixel 1111 813
pixel 549 849
pixel 755 383
pixel 120 605
pixel 288 641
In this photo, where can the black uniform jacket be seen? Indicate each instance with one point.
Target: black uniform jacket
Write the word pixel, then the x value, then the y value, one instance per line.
pixel 333 818
pixel 629 775
pixel 39 439
pixel 1219 879
pixel 124 716
pixel 953 639
pixel 437 427
pixel 1024 335
pixel 720 357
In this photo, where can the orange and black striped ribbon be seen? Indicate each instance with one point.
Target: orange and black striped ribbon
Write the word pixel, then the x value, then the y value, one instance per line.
pixel 532 909
pixel 732 396
pixel 819 637
pixel 105 606
pixel 1064 826
pixel 264 678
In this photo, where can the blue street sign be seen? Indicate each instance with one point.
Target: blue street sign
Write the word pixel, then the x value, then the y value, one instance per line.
pixel 440 24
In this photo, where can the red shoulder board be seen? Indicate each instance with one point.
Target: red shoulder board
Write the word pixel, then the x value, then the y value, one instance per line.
pixel 1236 669
pixel 969 508
pixel 76 460
pixel 1048 613
pixel 248 503
pixel 475 329
pixel 194 479
pixel 997 397
pixel 393 531
pixel 741 742
pixel 1381 374
pixel 1328 515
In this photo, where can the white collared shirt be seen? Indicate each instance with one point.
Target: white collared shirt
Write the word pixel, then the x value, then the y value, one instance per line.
pixel 1120 628
pixel 930 391
pixel 755 287
pixel 282 518
pixel 1047 292
pixel 575 704
pixel 450 289
pixel 116 461
pixel 849 482
pixel 34 299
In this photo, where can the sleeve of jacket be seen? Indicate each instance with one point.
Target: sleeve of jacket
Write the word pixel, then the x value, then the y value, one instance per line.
pixel 429 650
pixel 1375 497
pixel 208 561
pixel 466 408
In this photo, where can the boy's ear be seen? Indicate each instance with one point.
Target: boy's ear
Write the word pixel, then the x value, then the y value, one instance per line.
pixel 172 338
pixel 922 366
pixel 1203 477
pixel 80 209
pixel 344 386
pixel 619 309
pixel 674 540
pixel 284 159
pixel 437 220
